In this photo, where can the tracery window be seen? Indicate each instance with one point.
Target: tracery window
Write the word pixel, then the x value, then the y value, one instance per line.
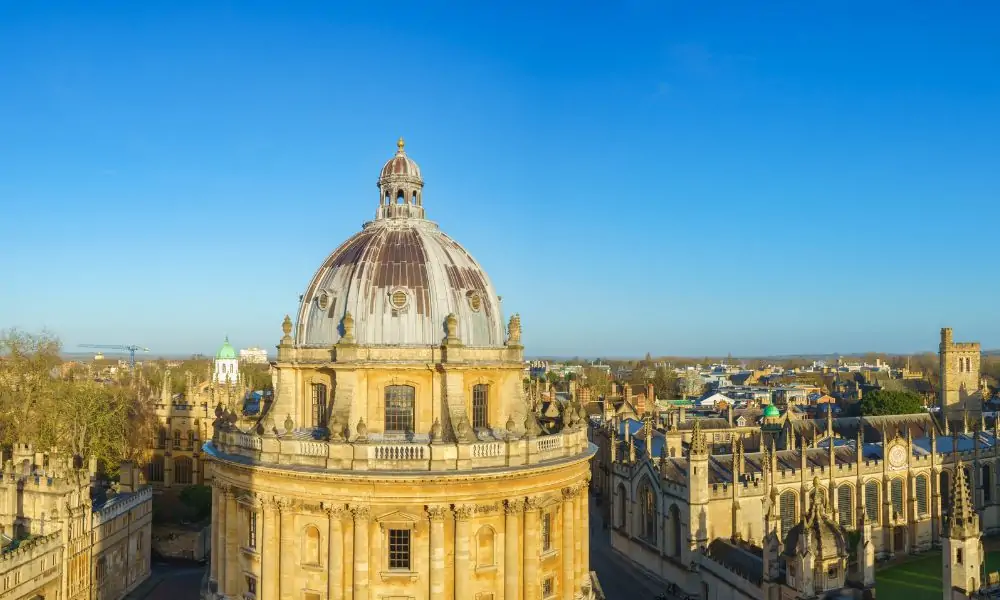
pixel 921 485
pixel 399 408
pixel 845 506
pixel 871 502
pixel 647 507
pixel 787 507
pixel 480 406
pixel 319 405
pixel 896 495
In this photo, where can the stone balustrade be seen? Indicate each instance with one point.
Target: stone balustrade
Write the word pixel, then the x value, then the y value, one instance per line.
pixel 375 455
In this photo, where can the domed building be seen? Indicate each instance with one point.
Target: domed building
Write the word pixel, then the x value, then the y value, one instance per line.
pixel 399 458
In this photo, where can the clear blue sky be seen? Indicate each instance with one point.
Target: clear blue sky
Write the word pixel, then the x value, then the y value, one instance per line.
pixel 680 177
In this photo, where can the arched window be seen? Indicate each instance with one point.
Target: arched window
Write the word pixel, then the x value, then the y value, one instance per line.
pixel 484 547
pixel 182 470
pixel 319 405
pixel 845 506
pixel 787 507
pixel 871 502
pixel 945 490
pixel 310 546
pixel 154 469
pixel 921 485
pixel 399 408
pixel 622 516
pixel 675 530
pixel 480 406
pixel 985 483
pixel 647 512
pixel 896 495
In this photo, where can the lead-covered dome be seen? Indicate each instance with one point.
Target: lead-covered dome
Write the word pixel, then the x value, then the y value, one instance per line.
pixel 400 278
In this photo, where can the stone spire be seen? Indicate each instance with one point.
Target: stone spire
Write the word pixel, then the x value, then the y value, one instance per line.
pixel 963 522
pixel 698 444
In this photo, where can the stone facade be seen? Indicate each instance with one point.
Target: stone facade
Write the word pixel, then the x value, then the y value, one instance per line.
pixel 962 389
pixel 400 458
pixel 61 543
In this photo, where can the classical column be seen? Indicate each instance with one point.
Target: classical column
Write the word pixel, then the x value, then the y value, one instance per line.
pixel 335 554
pixel 530 577
pixel 286 545
pixel 585 535
pixel 215 548
pixel 511 539
pixel 436 515
pixel 361 515
pixel 270 570
pixel 579 532
pixel 569 569
pixel 463 568
pixel 232 545
pixel 220 541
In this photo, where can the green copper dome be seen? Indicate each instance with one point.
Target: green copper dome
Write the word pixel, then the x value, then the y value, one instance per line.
pixel 771 411
pixel 226 351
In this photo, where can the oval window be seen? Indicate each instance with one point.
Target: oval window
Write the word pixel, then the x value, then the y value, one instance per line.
pixel 398 299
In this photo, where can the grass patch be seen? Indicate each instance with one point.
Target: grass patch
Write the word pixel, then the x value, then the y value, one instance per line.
pixel 919 579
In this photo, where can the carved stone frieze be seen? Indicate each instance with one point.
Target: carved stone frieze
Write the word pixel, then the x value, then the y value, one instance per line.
pixel 437 513
pixel 513 506
pixel 463 511
pixel 360 513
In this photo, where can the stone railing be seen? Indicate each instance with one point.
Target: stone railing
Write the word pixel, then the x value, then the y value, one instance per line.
pixel 399 455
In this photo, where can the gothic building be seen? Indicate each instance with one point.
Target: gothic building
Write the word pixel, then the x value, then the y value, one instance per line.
pixel 399 458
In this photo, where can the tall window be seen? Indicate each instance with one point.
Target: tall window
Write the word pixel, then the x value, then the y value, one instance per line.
pixel 319 405
pixel 310 546
pixel 622 507
pixel 896 491
pixel 399 549
pixel 480 406
pixel 787 507
pixel 161 437
pixel 921 495
pixel 546 532
pixel 177 438
pixel 252 529
pixel 251 585
pixel 986 481
pixel 675 530
pixel 182 470
pixel 871 502
pixel 399 400
pixel 945 490
pixel 190 439
pixel 647 503
pixel 961 364
pixel 484 547
pixel 154 469
pixel 845 506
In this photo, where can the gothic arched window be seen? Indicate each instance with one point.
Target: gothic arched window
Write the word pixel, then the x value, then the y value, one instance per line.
pixel 647 511
pixel 896 494
pixel 787 507
pixel 154 469
pixel 845 506
pixel 921 484
pixel 622 507
pixel 985 483
pixel 675 530
pixel 399 408
pixel 944 488
pixel 480 406
pixel 871 502
pixel 182 470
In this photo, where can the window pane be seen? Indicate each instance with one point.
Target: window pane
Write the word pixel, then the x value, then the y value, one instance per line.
pixel 787 505
pixel 897 496
pixel 399 400
pixel 480 406
pixel 921 495
pixel 871 501
pixel 845 506
pixel 399 549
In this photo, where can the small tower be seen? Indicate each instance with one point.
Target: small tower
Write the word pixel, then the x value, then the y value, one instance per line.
pixel 698 488
pixel 227 366
pixel 960 376
pixel 961 552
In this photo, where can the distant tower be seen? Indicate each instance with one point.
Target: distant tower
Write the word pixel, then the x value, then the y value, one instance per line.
pixel 227 366
pixel 698 455
pixel 960 383
pixel 962 553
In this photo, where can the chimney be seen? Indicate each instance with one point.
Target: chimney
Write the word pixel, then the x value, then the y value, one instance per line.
pixel 628 393
pixel 126 478
pixel 650 396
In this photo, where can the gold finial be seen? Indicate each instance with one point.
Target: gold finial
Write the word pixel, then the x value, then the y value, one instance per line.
pixel 400 144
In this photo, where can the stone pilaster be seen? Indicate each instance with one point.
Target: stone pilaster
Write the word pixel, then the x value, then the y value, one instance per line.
pixel 436 515
pixel 232 545
pixel 463 568
pixel 530 535
pixel 569 568
pixel 585 535
pixel 579 532
pixel 511 539
pixel 286 545
pixel 215 549
pixel 361 516
pixel 335 554
pixel 269 568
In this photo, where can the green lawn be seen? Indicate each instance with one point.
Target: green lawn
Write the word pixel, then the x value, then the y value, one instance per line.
pixel 919 579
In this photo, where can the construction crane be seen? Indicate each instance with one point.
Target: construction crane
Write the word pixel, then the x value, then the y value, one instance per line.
pixel 130 348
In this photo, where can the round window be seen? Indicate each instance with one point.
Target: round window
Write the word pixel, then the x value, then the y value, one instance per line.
pixel 323 300
pixel 398 299
pixel 475 302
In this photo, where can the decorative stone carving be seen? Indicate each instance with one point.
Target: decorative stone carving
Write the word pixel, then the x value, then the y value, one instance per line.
pixel 532 503
pixel 463 512
pixel 513 506
pixel 568 493
pixel 360 513
pixel 451 330
pixel 289 424
pixel 514 331
pixel 362 431
pixel 511 424
pixel 531 428
pixel 348 324
pixel 437 513
pixel 281 504
pixel 485 509
pixel 335 511
pixel 436 431
pixel 286 328
pixel 463 431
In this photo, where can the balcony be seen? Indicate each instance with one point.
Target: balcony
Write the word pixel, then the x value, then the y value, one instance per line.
pixel 300 450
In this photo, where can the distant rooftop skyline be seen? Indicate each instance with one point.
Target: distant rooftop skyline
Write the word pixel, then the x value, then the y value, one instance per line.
pixel 677 178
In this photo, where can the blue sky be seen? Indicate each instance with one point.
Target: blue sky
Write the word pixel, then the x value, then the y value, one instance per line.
pixel 682 178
